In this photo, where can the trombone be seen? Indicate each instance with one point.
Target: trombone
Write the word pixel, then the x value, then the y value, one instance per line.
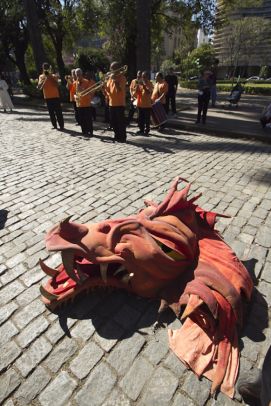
pixel 99 85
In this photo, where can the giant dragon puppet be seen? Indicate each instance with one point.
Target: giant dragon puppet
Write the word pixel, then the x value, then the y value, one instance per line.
pixel 171 252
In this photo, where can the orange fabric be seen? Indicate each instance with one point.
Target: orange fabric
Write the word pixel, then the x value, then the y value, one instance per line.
pixel 84 101
pixel 72 90
pixel 50 88
pixel 158 90
pixel 144 94
pixel 116 96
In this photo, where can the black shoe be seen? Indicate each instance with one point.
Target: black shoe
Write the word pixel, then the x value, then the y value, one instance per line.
pixel 54 128
pixel 146 133
pixel 140 132
pixel 197 122
pixel 61 129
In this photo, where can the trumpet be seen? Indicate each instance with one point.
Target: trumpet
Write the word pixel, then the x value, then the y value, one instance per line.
pixel 46 74
pixel 120 71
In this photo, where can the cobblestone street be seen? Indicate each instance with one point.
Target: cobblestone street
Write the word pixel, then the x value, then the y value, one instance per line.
pixel 103 349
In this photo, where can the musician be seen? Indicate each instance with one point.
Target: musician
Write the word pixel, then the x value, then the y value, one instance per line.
pixel 71 87
pixel 116 89
pixel 83 102
pixel 172 82
pixel 133 86
pixel 143 91
pixel 48 83
pixel 90 75
pixel 160 91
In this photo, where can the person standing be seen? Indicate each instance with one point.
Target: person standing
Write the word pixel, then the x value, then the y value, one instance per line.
pixel 5 100
pixel 159 92
pixel 115 88
pixel 71 81
pixel 204 92
pixel 133 86
pixel 172 82
pixel 48 83
pixel 143 91
pixel 83 102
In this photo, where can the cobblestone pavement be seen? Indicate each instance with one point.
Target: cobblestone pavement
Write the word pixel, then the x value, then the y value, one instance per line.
pixel 103 350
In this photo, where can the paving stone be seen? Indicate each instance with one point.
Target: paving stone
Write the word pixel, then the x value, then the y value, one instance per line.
pixel 7 331
pixel 32 276
pixel 8 382
pixel 32 386
pixel 182 400
pixel 28 295
pixel 108 335
pixel 32 331
pixel 158 348
pixel 28 313
pixel 157 392
pixel 86 360
pixel 127 317
pixel 97 387
pixel 10 291
pixel 173 363
pixel 117 398
pixel 263 236
pixel 56 332
pixel 6 311
pixel 201 388
pixel 124 354
pixel 9 352
pixel 83 330
pixel 33 355
pixel 61 353
pixel 59 391
pixel 12 274
pixel 266 273
pixel 135 379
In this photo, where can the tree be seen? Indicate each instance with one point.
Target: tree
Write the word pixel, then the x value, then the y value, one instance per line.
pixel 143 37
pixel 14 34
pixel 33 24
pixel 199 59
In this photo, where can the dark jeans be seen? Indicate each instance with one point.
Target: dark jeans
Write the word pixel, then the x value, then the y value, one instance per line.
pixel 144 115
pixel 117 121
pixel 203 103
pixel 55 112
pixel 93 112
pixel 171 98
pixel 76 114
pixel 85 117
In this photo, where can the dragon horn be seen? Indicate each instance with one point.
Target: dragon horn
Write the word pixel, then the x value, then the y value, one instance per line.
pixel 66 220
pixel 68 262
pixel 46 269
pixel 120 269
pixel 126 278
pixel 193 303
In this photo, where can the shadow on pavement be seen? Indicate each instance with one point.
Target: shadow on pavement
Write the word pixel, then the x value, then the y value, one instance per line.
pixel 3 218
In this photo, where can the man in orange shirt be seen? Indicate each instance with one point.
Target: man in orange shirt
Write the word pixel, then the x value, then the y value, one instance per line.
pixel 133 85
pixel 115 88
pixel 71 88
pixel 83 103
pixel 159 92
pixel 49 84
pixel 143 91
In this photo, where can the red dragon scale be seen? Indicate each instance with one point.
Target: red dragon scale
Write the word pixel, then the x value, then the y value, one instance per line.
pixel 170 252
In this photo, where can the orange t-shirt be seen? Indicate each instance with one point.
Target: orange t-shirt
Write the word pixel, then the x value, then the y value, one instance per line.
pixel 158 90
pixel 84 101
pixel 144 94
pixel 116 96
pixel 50 88
pixel 72 90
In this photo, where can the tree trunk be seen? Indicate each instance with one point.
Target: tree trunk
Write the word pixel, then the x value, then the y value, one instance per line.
pixel 59 61
pixel 143 43
pixel 35 33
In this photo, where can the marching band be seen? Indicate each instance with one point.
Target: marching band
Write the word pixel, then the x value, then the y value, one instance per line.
pixel 149 100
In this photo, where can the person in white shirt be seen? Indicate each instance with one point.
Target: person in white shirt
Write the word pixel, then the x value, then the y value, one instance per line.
pixel 5 100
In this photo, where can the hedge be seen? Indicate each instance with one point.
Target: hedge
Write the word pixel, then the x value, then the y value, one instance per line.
pixel 249 88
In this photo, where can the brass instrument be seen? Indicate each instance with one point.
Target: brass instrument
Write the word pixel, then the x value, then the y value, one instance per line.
pixel 99 85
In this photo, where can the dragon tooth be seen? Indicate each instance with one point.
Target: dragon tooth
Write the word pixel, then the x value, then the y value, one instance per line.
pixel 68 262
pixel 103 270
pixel 48 295
pixel 66 220
pixel 126 278
pixel 120 269
pixel 46 269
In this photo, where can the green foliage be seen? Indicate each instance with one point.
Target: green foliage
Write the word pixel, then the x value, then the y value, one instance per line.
pixel 89 59
pixel 167 64
pixel 199 59
pixel 249 88
pixel 264 72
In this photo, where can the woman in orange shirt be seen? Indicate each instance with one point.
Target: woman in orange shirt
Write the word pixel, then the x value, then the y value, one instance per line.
pixel 49 85
pixel 143 92
pixel 115 89
pixel 83 102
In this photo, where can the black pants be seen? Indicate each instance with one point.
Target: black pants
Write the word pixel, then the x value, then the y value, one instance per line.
pixel 85 117
pixel 203 103
pixel 93 112
pixel 55 112
pixel 144 115
pixel 131 112
pixel 171 98
pixel 76 114
pixel 117 121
